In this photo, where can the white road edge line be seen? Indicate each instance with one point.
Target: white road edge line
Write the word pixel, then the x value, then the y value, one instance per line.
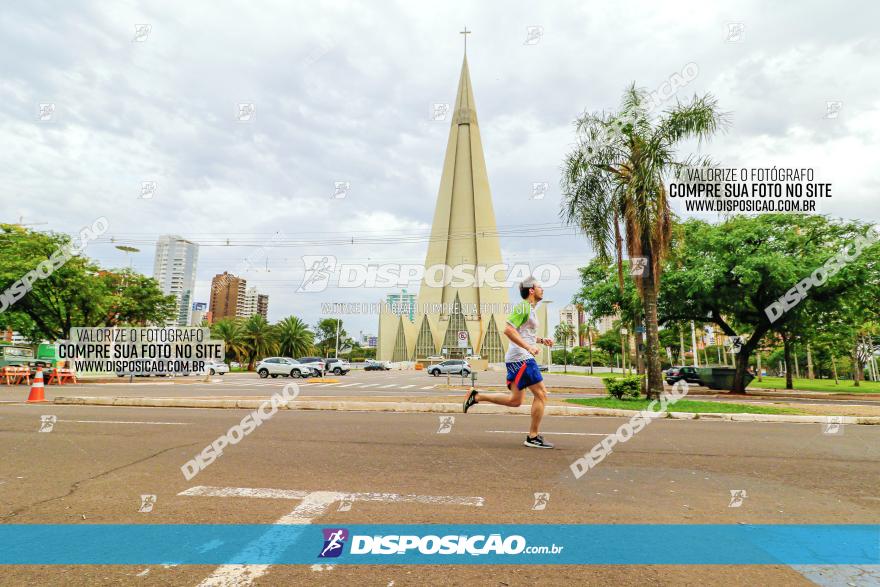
pixel 568 433
pixel 121 422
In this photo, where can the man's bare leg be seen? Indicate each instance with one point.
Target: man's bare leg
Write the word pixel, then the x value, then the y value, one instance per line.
pixel 514 399
pixel 538 404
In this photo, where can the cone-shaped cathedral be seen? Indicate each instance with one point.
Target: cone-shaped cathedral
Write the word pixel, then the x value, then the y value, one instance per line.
pixel 463 234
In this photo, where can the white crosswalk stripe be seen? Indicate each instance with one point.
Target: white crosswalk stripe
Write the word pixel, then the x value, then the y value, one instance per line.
pixel 389 385
pixel 407 386
pixel 352 384
pixel 430 387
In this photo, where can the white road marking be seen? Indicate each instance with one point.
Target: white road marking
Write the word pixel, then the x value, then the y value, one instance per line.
pixel 351 384
pixel 568 433
pixel 273 542
pixel 407 386
pixel 369 385
pixel 389 385
pixel 206 491
pixel 121 422
pixel 313 505
pixel 430 387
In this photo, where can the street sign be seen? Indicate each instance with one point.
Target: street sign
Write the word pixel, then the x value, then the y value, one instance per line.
pixel 462 339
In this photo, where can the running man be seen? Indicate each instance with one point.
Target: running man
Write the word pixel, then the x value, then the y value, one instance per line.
pixel 522 369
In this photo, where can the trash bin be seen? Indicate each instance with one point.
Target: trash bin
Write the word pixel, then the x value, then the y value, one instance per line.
pixel 720 377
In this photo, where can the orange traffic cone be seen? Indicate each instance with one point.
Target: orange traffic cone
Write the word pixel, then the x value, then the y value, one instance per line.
pixel 37 388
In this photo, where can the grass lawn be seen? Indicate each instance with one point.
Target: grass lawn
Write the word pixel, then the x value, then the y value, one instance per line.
pixel 684 405
pixel 845 386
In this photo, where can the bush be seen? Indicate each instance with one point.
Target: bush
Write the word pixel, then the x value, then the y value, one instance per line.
pixel 624 386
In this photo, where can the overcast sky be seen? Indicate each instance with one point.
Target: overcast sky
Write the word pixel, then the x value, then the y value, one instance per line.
pixel 343 91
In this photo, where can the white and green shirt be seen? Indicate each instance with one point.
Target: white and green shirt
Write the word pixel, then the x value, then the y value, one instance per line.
pixel 525 320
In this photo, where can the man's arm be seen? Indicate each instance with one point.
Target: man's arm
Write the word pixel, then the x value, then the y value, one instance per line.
pixel 512 333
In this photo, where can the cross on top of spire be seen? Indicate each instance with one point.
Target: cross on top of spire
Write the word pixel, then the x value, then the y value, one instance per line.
pixel 465 32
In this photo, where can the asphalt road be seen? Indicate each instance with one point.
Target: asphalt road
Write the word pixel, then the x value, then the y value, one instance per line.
pixel 391 384
pixel 96 463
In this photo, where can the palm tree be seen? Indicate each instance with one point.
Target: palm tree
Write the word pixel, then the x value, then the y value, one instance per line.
pixel 230 332
pixel 259 339
pixel 294 337
pixel 563 333
pixel 615 175
pixel 586 330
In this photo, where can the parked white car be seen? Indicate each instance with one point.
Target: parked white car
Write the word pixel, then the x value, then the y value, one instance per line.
pixel 285 366
pixel 216 368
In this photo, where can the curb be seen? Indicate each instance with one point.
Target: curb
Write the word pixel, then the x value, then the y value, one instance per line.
pixel 443 408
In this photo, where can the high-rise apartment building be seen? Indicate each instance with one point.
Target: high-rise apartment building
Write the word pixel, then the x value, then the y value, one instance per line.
pixel 228 296
pixel 174 267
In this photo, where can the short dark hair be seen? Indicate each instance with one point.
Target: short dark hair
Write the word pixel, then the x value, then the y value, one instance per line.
pixel 525 285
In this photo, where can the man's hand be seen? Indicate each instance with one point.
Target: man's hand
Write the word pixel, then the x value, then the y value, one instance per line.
pixel 534 350
pixel 547 341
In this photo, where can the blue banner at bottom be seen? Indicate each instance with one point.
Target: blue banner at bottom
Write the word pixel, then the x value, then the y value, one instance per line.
pixel 481 544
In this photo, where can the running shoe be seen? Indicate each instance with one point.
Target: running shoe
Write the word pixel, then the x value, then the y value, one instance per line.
pixel 471 400
pixel 537 442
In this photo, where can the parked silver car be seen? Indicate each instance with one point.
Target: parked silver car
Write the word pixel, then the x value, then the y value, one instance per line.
pixel 285 366
pixel 454 366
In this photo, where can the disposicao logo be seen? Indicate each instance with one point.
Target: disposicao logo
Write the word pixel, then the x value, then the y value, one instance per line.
pixel 334 542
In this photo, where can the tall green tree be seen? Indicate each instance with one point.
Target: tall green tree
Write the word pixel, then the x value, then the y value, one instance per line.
pixel 294 337
pixel 586 330
pixel 616 173
pixel 326 335
pixel 258 338
pixel 730 273
pixel 75 292
pixel 564 333
pixel 231 333
pixel 136 300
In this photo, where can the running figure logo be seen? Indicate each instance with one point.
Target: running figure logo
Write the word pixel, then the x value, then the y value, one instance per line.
pixel 638 266
pixel 541 500
pixel 334 541
pixel 147 503
pixel 318 269
pixel 47 423
pixel 737 497
pixel 446 423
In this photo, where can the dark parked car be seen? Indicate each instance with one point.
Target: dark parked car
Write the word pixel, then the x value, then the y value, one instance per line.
pixel 374 365
pixel 315 363
pixel 689 374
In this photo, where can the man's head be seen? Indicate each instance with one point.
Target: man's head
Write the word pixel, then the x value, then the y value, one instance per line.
pixel 530 289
